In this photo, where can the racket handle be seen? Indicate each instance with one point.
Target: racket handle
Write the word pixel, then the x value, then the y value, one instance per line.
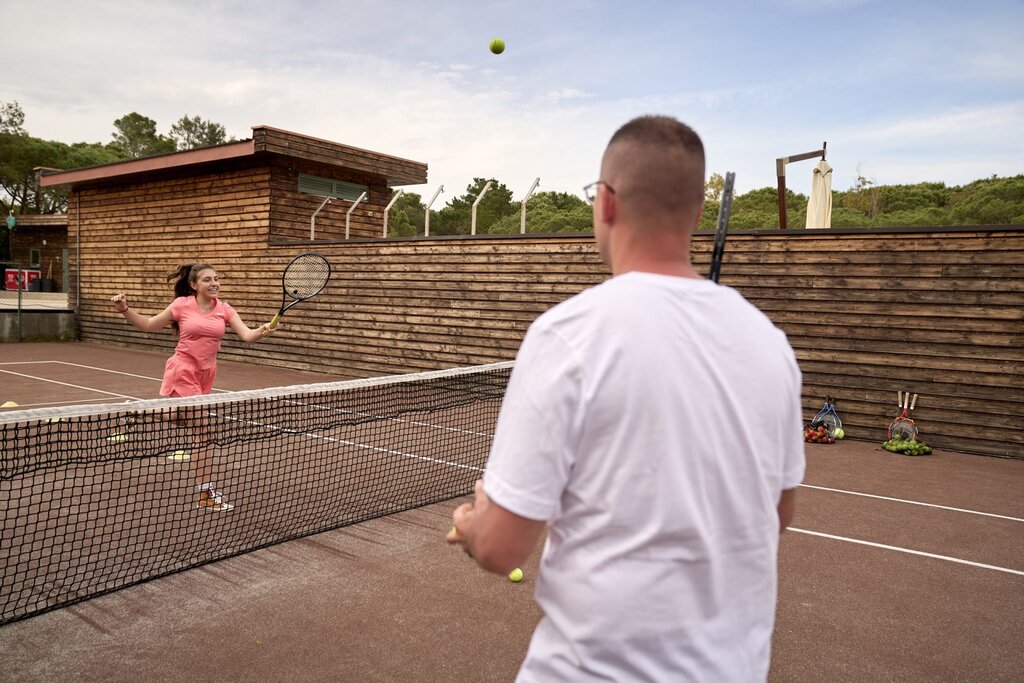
pixel 899 399
pixel 913 402
pixel 274 321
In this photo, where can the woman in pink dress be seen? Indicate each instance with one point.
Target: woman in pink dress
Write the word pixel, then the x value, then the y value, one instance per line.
pixel 200 320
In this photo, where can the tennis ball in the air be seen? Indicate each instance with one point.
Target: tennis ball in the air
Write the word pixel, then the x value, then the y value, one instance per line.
pixel 497 45
pixel 516 575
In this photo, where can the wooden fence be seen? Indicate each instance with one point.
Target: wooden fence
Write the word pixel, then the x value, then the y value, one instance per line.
pixel 939 312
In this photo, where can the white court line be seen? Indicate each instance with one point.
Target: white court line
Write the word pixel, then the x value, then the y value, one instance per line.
pixel 380 418
pixel 56 404
pixel 364 446
pixel 93 367
pixel 65 384
pixel 913 502
pixel 908 551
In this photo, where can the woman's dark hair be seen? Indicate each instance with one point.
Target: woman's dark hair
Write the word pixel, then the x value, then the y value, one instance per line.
pixel 184 277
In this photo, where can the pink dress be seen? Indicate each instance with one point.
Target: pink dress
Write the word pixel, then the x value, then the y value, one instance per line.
pixel 193 367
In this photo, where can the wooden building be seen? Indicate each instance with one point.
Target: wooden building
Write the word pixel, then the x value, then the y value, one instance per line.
pixel 40 243
pixel 935 311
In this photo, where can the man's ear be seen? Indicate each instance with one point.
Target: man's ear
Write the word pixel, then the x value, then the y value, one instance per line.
pixel 609 206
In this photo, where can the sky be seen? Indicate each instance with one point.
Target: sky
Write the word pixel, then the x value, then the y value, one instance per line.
pixel 902 91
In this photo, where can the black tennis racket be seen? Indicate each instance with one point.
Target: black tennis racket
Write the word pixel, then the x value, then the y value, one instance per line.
pixel 723 226
pixel 305 277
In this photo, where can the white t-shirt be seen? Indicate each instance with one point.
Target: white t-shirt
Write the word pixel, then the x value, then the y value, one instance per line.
pixel 653 422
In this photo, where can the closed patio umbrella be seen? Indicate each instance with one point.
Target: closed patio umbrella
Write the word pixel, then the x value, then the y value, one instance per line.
pixel 819 207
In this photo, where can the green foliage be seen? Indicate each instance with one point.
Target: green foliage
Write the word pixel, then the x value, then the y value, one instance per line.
pixel 12 118
pixel 456 217
pixel 21 154
pixel 195 132
pixel 995 201
pixel 407 215
pixel 135 137
pixel 992 201
pixel 757 210
pixel 548 212
pixel 713 187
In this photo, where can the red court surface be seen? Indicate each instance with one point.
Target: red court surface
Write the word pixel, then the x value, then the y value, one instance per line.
pixel 44 375
pixel 895 568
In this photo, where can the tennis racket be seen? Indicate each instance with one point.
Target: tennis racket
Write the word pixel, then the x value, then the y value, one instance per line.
pixel 832 417
pixel 903 426
pixel 827 416
pixel 899 416
pixel 305 277
pixel 722 228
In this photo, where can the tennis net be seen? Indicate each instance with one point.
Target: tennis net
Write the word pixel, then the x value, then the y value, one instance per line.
pixel 96 498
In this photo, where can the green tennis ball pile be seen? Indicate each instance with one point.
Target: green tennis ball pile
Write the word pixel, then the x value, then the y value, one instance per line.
pixel 898 444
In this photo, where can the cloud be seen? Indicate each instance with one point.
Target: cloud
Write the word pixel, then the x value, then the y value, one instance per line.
pixel 907 103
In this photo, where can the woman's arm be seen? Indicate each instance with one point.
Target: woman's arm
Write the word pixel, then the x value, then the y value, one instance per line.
pixel 141 322
pixel 245 333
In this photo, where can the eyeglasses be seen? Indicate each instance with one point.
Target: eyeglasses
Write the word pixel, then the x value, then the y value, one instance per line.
pixel 590 191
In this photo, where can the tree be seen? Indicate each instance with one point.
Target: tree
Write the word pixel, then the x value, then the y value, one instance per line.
pixel 993 201
pixel 863 197
pixel 136 137
pixel 194 132
pixel 549 212
pixel 20 155
pixel 456 217
pixel 407 216
pixel 12 119
pixel 713 187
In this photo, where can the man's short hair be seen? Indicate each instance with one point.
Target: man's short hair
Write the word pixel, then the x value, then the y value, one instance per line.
pixel 658 165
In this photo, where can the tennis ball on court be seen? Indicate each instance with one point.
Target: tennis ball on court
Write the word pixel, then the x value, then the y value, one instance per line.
pixel 497 45
pixel 840 434
pixel 516 575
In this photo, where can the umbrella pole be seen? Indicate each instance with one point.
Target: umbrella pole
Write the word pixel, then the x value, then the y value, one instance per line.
pixel 780 171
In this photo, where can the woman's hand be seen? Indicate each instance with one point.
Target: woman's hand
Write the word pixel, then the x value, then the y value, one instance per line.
pixel 120 303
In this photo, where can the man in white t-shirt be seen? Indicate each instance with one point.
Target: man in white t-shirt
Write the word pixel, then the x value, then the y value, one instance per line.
pixel 653 424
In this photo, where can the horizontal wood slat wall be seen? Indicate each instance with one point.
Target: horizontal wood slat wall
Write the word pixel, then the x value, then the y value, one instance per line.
pixel 937 312
pixel 292 210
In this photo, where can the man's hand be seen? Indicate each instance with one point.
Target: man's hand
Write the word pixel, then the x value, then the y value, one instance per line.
pixel 496 539
pixel 463 517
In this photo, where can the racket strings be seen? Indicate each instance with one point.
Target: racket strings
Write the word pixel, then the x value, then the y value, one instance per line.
pixel 305 277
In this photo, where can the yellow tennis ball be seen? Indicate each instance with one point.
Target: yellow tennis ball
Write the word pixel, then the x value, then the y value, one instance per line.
pixel 497 45
pixel 516 575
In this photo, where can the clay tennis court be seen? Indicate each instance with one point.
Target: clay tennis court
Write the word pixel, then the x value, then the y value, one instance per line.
pixel 895 568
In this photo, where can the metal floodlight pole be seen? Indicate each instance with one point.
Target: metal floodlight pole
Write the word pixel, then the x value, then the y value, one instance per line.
pixel 426 219
pixel 780 171
pixel 312 219
pixel 472 224
pixel 522 211
pixel 387 211
pixel 348 214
